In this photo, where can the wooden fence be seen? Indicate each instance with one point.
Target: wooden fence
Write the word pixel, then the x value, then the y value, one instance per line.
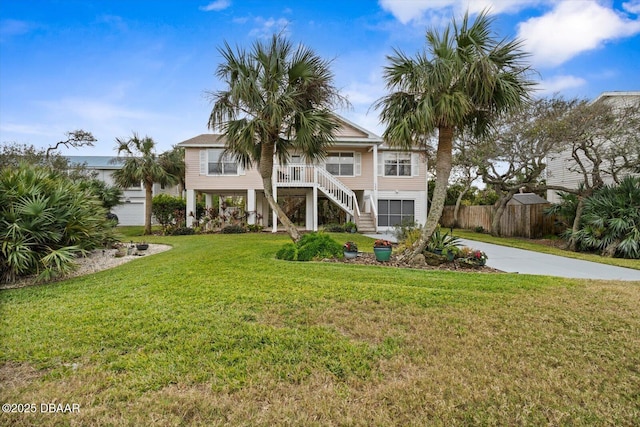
pixel 517 221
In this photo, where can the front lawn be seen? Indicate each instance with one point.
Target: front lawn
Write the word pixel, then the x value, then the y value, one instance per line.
pixel 217 331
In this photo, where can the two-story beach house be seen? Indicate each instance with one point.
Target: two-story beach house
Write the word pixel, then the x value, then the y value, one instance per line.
pixel 376 186
pixel 562 169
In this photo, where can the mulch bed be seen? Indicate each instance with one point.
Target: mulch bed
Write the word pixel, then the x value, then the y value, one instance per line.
pixel 365 258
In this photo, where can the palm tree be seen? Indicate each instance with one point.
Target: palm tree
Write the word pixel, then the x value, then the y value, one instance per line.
pixel 461 81
pixel 278 99
pixel 172 161
pixel 141 164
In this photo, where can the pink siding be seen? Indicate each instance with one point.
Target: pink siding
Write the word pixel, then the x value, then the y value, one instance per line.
pixel 365 180
pixel 195 181
pixel 408 183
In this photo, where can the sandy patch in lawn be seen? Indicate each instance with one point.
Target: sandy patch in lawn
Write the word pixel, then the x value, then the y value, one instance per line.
pixel 98 260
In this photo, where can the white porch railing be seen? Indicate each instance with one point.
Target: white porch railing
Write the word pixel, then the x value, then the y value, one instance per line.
pixel 315 176
pixel 333 188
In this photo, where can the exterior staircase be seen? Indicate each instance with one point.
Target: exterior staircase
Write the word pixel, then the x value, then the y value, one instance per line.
pixel 366 223
pixel 327 184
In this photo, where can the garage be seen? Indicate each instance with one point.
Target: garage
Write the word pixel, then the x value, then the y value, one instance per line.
pixel 130 213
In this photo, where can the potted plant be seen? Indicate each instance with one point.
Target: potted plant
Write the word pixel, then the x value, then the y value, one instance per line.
pixel 382 249
pixel 350 250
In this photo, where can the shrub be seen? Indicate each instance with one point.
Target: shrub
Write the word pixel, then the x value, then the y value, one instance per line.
pixel 404 230
pixel 611 220
pixel 254 228
pixel 334 228
pixel 479 229
pixel 350 227
pixel 182 231
pixel 47 221
pixel 233 229
pixel 311 246
pixel 288 252
pixel 167 209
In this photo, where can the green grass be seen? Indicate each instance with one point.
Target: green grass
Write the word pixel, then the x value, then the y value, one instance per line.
pixel 217 331
pixel 531 245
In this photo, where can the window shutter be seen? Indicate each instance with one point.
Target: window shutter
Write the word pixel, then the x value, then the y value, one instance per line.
pixel 203 162
pixel 380 164
pixel 357 167
pixel 415 164
pixel 241 170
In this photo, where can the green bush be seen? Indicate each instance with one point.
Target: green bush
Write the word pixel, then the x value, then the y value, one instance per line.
pixel 167 209
pixel 288 252
pixel 254 228
pixel 311 246
pixel 233 229
pixel 46 222
pixel 350 227
pixel 182 231
pixel 611 220
pixel 334 228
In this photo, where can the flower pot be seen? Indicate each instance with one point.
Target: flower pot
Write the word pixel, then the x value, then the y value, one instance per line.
pixel 350 255
pixel 382 254
pixel 142 246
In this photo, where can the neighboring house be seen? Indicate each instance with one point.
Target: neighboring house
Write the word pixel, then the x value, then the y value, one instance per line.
pixel 131 211
pixel 376 186
pixel 561 167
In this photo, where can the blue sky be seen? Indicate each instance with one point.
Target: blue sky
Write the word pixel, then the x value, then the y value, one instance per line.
pixel 115 67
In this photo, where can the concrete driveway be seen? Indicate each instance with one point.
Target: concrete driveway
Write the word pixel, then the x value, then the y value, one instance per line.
pixel 512 260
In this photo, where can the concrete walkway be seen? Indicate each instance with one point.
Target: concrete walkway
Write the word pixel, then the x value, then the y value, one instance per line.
pixel 514 260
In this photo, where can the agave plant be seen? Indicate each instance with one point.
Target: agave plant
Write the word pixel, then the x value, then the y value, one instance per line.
pixel 46 221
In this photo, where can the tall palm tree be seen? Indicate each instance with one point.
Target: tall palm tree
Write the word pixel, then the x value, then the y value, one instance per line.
pixel 462 80
pixel 277 99
pixel 141 164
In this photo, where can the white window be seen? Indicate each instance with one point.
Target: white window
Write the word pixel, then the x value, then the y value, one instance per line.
pixel 397 164
pixel 219 164
pixel 395 212
pixel 341 164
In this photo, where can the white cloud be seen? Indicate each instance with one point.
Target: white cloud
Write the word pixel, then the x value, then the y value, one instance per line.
pixel 267 27
pixel 406 11
pixel 632 6
pixel 557 84
pixel 216 5
pixel 571 28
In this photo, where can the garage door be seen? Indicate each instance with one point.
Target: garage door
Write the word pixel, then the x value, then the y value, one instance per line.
pixel 130 213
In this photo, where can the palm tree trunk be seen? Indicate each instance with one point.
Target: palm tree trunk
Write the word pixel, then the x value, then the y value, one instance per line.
pixel 148 200
pixel 266 172
pixel 443 170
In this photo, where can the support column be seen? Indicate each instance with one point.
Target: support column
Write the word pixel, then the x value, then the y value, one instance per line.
pixel 315 208
pixel 251 206
pixel 191 207
pixel 208 200
pixel 274 214
pixel 309 212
